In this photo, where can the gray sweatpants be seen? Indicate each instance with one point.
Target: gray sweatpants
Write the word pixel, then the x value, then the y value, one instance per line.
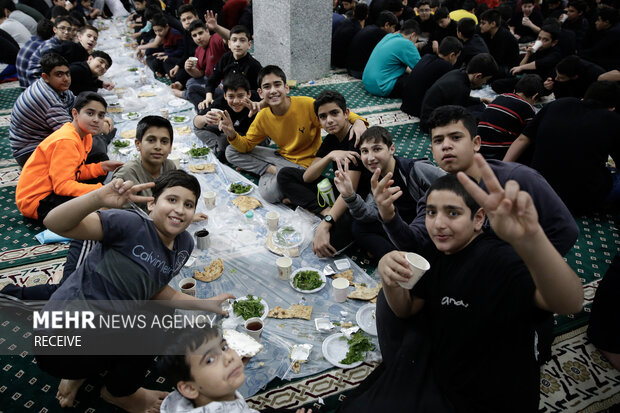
pixel 257 161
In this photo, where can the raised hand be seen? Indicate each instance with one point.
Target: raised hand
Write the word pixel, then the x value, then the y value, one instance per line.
pixel 211 20
pixel 511 212
pixel 116 193
pixel 343 181
pixel 385 194
pixel 344 156
pixel 226 125
pixel 394 268
pixel 254 107
pixel 358 128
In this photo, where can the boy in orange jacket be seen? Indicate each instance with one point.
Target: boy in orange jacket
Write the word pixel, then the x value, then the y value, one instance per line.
pixel 57 169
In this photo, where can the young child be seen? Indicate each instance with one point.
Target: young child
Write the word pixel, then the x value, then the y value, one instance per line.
pixel 79 51
pixel 291 124
pixel 238 60
pixel 85 75
pixel 479 297
pixel 88 10
pixel 164 52
pixel 57 170
pixel 300 187
pixel 236 101
pixel 206 374
pixel 103 275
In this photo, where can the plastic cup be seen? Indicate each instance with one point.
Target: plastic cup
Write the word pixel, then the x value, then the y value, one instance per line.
pixel 272 220
pixel 340 288
pixel 209 198
pixel 285 267
pixel 164 113
pixel 176 160
pixel 419 266
pixel 193 60
pixel 537 45
pixel 188 286
pixel 254 327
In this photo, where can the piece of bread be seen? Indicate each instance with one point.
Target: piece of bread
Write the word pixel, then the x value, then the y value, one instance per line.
pixel 295 311
pixel 212 272
pixel 203 167
pixel 246 203
pixel 364 293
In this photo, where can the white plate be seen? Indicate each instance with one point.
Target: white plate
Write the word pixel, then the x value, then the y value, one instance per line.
pixel 335 349
pixel 243 193
pixel 134 115
pixel 285 238
pixel 307 269
pixel 262 301
pixel 365 319
pixel 177 103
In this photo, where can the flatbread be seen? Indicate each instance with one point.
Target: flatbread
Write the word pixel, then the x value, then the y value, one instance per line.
pixel 348 274
pixel 203 167
pixel 296 311
pixel 291 252
pixel 146 94
pixel 129 134
pixel 115 109
pixel 364 293
pixel 246 203
pixel 212 272
pixel 185 130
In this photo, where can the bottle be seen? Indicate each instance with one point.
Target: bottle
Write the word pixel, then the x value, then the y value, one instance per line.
pixel 249 217
pixel 326 192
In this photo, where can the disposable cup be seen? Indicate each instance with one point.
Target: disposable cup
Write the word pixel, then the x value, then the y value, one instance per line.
pixel 188 286
pixel 419 266
pixel 254 327
pixel 285 265
pixel 340 288
pixel 209 198
pixel 176 160
pixel 272 220
pixel 202 239
pixel 537 45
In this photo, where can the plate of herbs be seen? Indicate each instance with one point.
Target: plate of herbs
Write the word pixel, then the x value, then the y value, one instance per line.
pixel 250 306
pixel 287 237
pixel 307 280
pixel 239 188
pixel 346 353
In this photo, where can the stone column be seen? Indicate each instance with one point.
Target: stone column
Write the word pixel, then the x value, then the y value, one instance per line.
pixel 295 35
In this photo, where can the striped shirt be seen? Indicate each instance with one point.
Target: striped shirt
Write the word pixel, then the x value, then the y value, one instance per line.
pixel 23 59
pixel 501 123
pixel 34 64
pixel 38 112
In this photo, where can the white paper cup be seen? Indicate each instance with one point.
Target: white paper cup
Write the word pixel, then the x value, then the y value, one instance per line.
pixel 209 198
pixel 272 220
pixel 285 265
pixel 419 266
pixel 164 112
pixel 254 327
pixel 194 61
pixel 188 286
pixel 537 45
pixel 176 160
pixel 340 288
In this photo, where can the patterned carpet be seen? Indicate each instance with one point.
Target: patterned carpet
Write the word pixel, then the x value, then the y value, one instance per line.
pixel 577 379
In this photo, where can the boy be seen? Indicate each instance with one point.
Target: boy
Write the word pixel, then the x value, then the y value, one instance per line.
pixel 541 61
pixel 89 12
pixel 573 76
pixel 604 47
pixel 45 30
pixel 480 297
pixel 413 175
pixel 526 23
pixel 206 374
pixel 57 170
pixel 291 124
pixel 162 59
pixel 454 87
pixel 85 75
pixel 364 42
pixel 62 33
pixel 473 44
pixel 576 21
pixel 502 45
pixel 80 50
pixel 503 119
pixel 391 61
pixel 238 60
pixel 300 187
pixel 236 101
pixel 103 276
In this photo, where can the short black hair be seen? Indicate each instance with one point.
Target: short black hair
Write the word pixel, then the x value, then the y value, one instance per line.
pixel 76 19
pixel 151 10
pixel 602 94
pixel 234 81
pixel 492 16
pixel 186 8
pixel 441 13
pixel 173 365
pixel 393 5
pixel 579 5
pixel 530 85
pixel 467 27
pixel 552 30
pixel 423 3
pixel 410 26
pixel 451 183
pixel 176 177
pixel 570 66
pixel 6 4
pixel 60 19
pixel 361 11
pixel 330 96
pixel 88 27
pixel 484 64
pixel 197 24
pixel 159 20
pixel 377 134
pixel 241 29
pixel 469 5
pixel 87 96
pixel 608 14
pixel 150 122
pixel 45 29
pixel 58 11
pixel 50 60
pixel 103 55
pixel 386 17
pixel 448 114
pixel 528 1
pixel 270 70
pixel 450 44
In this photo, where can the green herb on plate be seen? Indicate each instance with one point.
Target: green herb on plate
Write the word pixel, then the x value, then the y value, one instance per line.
pixel 120 144
pixel 239 188
pixel 179 119
pixel 252 307
pixel 307 280
pixel 358 345
pixel 132 69
pixel 199 151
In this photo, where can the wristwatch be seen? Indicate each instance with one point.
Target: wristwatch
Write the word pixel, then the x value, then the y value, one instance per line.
pixel 329 219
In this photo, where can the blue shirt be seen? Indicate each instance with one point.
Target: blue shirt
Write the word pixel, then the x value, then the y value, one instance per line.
pixel 23 57
pixel 388 61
